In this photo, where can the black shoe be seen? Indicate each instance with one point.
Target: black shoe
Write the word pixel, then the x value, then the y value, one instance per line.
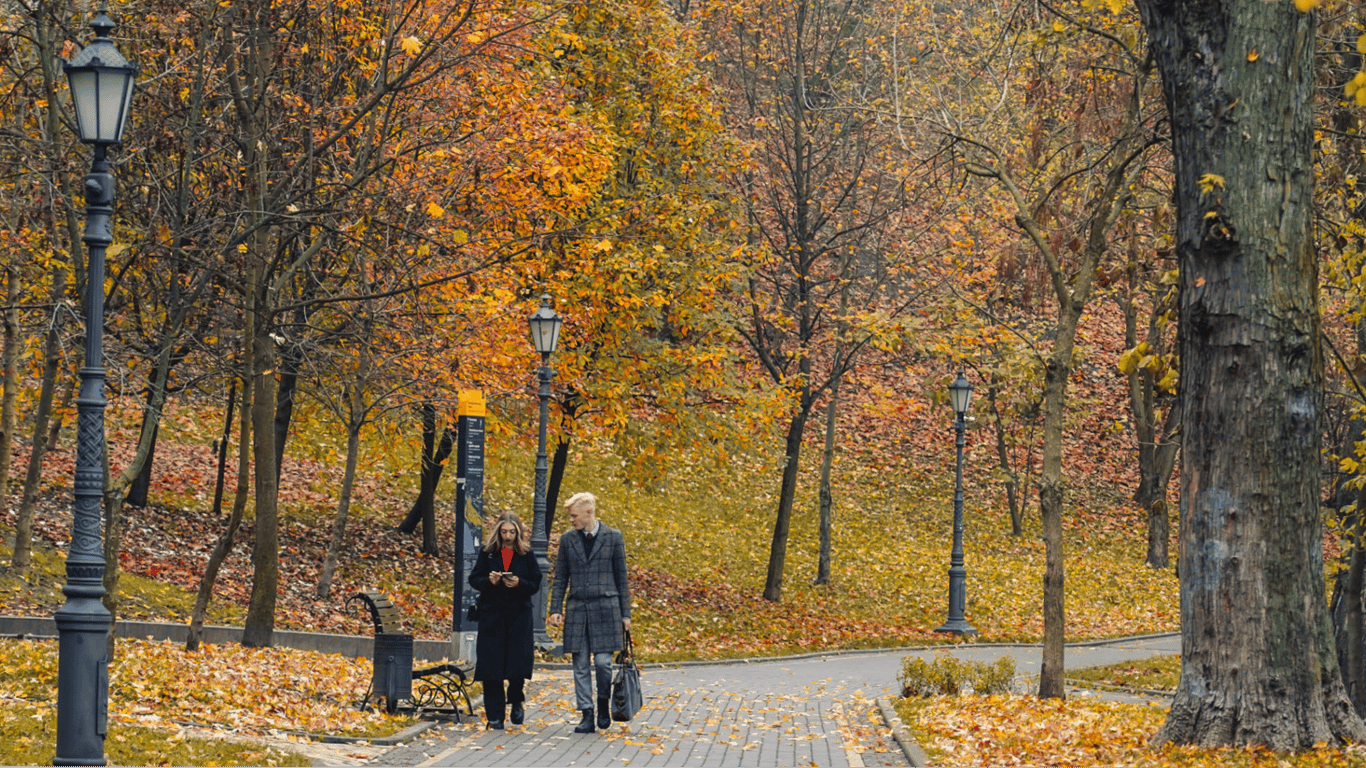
pixel 585 725
pixel 518 714
pixel 604 715
pixel 496 725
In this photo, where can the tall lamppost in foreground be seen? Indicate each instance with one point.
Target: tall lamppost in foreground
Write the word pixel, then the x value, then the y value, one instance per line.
pixel 545 336
pixel 101 83
pixel 960 394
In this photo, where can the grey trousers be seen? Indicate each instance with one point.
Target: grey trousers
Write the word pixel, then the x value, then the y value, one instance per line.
pixel 584 665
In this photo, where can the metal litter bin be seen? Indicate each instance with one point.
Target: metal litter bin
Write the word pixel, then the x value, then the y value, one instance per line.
pixel 393 669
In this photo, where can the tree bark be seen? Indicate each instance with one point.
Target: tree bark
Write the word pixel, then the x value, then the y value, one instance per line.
pixel 827 498
pixel 777 553
pixel 52 360
pixel 552 491
pixel 9 362
pixel 259 629
pixel 334 544
pixel 223 547
pixel 434 457
pixel 1258 663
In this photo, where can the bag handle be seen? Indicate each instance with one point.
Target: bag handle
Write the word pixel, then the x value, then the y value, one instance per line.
pixel 628 654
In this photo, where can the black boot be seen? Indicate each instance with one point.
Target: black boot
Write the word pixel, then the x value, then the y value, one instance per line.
pixel 585 725
pixel 604 714
pixel 518 714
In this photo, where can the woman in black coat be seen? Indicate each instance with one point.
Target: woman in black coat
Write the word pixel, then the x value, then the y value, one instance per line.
pixel 506 575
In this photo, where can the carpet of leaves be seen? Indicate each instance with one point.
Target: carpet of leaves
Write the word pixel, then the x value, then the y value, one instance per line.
pixel 242 690
pixel 1025 730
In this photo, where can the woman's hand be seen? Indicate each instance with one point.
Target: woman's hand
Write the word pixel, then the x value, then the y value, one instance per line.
pixel 511 580
pixel 495 576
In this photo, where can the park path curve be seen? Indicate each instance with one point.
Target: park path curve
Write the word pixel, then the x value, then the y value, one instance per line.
pixel 797 711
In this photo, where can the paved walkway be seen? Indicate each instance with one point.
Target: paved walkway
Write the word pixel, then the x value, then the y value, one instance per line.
pixel 805 711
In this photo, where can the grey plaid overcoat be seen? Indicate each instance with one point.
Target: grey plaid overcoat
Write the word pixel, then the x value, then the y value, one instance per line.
pixel 599 597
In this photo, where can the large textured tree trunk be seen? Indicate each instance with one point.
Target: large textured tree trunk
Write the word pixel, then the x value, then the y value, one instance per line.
pixel 1258 663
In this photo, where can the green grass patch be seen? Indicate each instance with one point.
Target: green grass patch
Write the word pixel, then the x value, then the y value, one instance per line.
pixel 1160 673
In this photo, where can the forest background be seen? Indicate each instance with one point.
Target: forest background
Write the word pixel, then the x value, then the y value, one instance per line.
pixel 775 229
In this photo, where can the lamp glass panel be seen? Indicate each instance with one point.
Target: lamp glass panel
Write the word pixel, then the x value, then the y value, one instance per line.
pixel 85 99
pixel 960 394
pixel 116 91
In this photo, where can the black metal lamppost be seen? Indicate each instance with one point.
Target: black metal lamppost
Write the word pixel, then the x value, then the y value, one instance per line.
pixel 545 336
pixel 960 394
pixel 101 89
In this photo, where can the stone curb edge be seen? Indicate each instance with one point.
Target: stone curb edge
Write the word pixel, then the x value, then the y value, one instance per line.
pixel 870 652
pixel 909 747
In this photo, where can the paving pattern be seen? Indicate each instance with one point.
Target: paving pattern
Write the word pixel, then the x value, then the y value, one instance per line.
pixel 813 711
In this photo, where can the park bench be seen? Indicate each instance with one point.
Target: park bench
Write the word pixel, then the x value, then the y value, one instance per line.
pixel 436 691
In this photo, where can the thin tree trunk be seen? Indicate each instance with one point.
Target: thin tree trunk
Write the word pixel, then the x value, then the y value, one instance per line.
pixel 334 545
pixel 223 547
pixel 259 627
pixel 1012 481
pixel 827 500
pixel 777 554
pixel 9 361
pixel 1051 504
pixel 52 360
pixel 552 492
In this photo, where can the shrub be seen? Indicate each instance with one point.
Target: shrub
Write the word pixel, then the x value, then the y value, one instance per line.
pixel 946 675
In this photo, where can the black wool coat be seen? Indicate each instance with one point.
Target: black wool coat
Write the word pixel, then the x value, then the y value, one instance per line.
pixel 504 649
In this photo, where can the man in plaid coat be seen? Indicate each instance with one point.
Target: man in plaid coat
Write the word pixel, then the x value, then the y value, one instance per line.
pixel 591 565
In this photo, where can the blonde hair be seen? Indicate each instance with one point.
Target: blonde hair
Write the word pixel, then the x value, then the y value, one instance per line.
pixel 495 542
pixel 582 499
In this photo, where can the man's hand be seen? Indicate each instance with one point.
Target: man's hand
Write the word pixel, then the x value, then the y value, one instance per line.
pixel 555 619
pixel 626 624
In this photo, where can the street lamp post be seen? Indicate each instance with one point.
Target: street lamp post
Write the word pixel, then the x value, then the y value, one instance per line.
pixel 545 336
pixel 960 393
pixel 101 83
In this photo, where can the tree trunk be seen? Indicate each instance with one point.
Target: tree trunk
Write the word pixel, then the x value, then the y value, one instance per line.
pixel 1051 503
pixel 259 629
pixel 827 501
pixel 777 554
pixel 343 507
pixel 9 362
pixel 52 360
pixel 137 492
pixel 1258 663
pixel 434 457
pixel 223 547
pixel 1003 460
pixel 284 407
pixel 1351 655
pixel 552 491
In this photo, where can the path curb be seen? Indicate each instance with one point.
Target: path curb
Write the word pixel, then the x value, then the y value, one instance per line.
pixel 909 746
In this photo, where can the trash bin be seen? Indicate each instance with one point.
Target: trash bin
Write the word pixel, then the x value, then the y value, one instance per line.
pixel 393 669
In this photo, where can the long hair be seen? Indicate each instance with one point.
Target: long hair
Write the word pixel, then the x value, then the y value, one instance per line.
pixel 521 546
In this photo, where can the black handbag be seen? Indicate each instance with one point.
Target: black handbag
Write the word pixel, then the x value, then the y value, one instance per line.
pixel 472 613
pixel 626 698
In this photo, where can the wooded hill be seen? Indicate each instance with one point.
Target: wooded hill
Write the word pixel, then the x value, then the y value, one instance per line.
pixel 775 230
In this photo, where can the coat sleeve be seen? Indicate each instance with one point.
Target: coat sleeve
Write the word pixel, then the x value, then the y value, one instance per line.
pixel 530 582
pixel 561 580
pixel 619 573
pixel 479 574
